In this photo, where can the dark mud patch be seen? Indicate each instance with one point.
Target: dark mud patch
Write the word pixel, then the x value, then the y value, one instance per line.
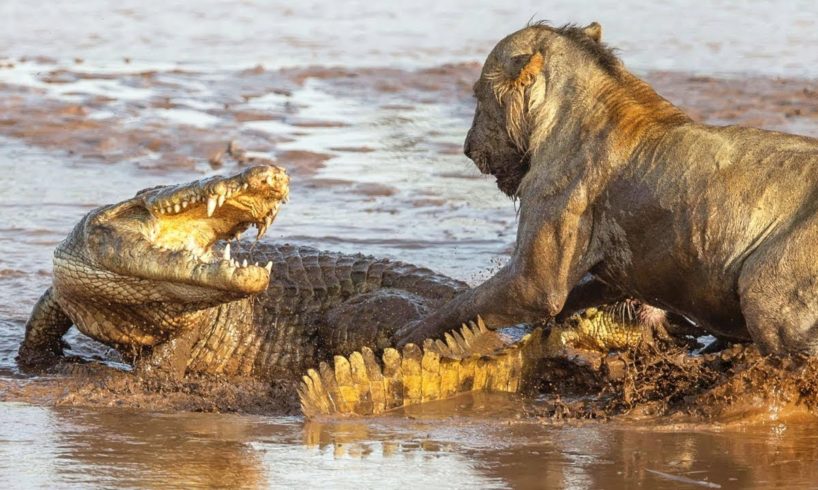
pixel 325 183
pixel 781 104
pixel 736 384
pixel 249 116
pixel 352 149
pixel 448 82
pixel 102 386
pixel 372 189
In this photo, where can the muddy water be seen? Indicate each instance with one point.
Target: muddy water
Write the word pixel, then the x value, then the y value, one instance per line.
pixel 96 104
pixel 47 447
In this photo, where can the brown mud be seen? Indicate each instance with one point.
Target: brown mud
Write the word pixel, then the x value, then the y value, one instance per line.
pixel 100 386
pixel 670 385
pixel 31 115
pixel 663 383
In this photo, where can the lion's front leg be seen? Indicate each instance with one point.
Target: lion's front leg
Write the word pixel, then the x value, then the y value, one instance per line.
pixel 499 301
pixel 550 258
pixel 553 253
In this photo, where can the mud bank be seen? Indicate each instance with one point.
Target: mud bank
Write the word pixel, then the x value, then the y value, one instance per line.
pixel 669 385
pixel 102 386
pixel 161 124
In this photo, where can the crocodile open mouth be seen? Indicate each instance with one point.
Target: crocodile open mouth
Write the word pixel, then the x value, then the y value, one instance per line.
pixel 194 217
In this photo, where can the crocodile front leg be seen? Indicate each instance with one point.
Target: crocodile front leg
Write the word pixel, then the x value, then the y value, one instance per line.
pixel 47 324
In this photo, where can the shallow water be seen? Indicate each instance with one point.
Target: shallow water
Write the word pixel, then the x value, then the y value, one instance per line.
pixel 479 448
pixel 763 36
pixel 376 164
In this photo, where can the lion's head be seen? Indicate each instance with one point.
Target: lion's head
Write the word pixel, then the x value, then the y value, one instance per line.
pixel 511 85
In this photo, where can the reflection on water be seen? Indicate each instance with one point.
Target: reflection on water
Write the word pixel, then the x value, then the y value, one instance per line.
pixel 47 447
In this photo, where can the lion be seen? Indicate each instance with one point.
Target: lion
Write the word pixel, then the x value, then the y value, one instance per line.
pixel 615 183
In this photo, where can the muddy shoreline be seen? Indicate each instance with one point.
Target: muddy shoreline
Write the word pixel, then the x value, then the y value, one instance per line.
pixel 659 384
pixel 96 127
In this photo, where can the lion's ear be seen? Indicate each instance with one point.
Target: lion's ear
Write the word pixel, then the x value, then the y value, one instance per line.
pixel 594 31
pixel 530 66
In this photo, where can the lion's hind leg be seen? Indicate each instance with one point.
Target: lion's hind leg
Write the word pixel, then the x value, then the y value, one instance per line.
pixel 44 330
pixel 778 289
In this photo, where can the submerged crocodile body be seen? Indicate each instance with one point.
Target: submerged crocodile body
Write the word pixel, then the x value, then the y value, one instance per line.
pixel 155 278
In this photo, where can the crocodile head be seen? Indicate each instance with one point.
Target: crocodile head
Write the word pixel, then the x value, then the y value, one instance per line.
pixel 167 246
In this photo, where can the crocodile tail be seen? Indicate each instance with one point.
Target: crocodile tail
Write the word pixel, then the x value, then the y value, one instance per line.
pixel 473 358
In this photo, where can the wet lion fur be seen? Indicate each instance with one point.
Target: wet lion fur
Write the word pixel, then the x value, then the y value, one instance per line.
pixel 719 224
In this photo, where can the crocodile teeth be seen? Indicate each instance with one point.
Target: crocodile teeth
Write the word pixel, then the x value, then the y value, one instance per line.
pixel 262 229
pixel 184 204
pixel 211 206
pixel 269 266
pixel 220 202
pixel 244 263
pixel 177 207
pixel 226 254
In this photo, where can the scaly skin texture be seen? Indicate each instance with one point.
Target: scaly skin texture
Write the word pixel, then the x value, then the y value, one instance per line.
pixel 154 277
pixel 473 358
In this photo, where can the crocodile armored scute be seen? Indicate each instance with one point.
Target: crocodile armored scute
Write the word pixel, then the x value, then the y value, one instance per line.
pixel 472 358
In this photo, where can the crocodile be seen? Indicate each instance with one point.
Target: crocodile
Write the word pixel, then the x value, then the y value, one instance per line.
pixel 165 279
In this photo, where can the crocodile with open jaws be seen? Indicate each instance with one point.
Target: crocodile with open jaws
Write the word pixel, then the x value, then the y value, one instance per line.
pixel 156 277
